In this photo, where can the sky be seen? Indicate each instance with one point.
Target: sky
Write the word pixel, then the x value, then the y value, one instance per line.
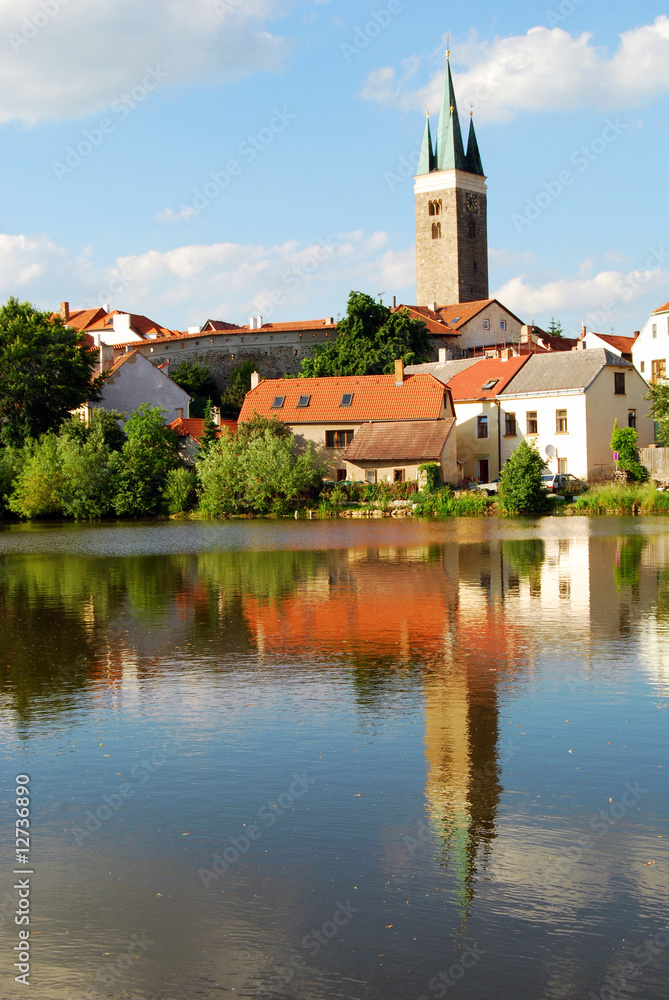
pixel 216 159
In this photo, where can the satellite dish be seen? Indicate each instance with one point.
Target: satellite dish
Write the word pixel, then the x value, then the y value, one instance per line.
pixel 550 450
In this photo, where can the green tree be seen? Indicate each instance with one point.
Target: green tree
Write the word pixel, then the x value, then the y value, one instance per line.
pixel 624 441
pixel 520 482
pixel 45 372
pixel 197 380
pixel 141 467
pixel 240 383
pixel 555 328
pixel 369 339
pixel 658 395
pixel 209 432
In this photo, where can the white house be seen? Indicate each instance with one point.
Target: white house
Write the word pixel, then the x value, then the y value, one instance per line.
pixel 651 348
pixel 133 380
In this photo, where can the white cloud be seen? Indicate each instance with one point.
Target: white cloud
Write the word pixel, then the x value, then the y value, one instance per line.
pixel 61 60
pixel 601 297
pixel 228 281
pixel 543 70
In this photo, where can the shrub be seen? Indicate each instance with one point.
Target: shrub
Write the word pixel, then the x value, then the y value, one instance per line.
pixel 624 441
pixel 179 493
pixel 520 483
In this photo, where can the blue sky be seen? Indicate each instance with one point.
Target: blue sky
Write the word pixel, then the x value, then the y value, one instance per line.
pixel 220 158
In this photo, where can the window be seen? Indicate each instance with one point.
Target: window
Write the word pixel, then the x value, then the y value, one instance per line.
pixel 346 399
pixel 631 419
pixel 370 475
pixel 532 422
pixel 560 421
pixel 490 384
pixel 502 325
pixel 303 401
pixel 562 466
pixel 341 475
pixel 398 475
pixel 436 230
pixel 278 402
pixel 619 383
pixel 654 331
pixel 430 208
pixel 659 368
pixel 338 439
pixel 482 426
pixel 510 424
pixel 642 366
pixel 486 324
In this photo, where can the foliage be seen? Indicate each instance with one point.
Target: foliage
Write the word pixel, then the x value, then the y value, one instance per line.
pixel 444 503
pixel 627 569
pixel 197 380
pixel 259 472
pixel 555 328
pixel 240 384
pixel 258 426
pixel 520 483
pixel 9 468
pixel 618 498
pixel 209 433
pixel 142 465
pixel 180 491
pixel 623 440
pixel 658 396
pixel 104 425
pixel 369 339
pixel 44 372
pixel 432 472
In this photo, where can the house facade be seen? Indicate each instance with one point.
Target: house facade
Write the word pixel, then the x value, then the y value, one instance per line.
pixel 468 327
pixel 132 381
pixel 650 351
pixel 329 412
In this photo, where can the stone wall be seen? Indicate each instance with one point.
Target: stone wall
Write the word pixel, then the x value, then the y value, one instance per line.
pixel 472 248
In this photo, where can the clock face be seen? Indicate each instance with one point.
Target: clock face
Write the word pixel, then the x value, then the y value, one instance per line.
pixel 471 202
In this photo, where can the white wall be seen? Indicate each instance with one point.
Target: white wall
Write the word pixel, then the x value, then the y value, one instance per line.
pixel 137 382
pixel 648 348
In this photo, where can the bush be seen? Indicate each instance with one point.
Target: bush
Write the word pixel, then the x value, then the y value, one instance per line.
pixel 624 441
pixel 180 491
pixel 520 483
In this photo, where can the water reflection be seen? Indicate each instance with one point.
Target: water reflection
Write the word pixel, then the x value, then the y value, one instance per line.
pixel 365 640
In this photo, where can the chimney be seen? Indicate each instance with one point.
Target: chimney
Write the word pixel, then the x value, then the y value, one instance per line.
pixel 106 307
pixel 433 306
pixel 442 355
pixel 583 330
pixel 329 320
pixel 255 380
pixel 179 410
pixel 216 415
pixel 258 322
pixel 636 334
pixel 65 311
pixel 252 323
pixel 505 354
pixel 399 372
pixel 394 302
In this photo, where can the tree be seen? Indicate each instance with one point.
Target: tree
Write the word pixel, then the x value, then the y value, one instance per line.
pixel 209 432
pixel 369 339
pixel 555 328
pixel 520 482
pixel 45 372
pixel 197 380
pixel 658 395
pixel 142 465
pixel 240 384
pixel 624 440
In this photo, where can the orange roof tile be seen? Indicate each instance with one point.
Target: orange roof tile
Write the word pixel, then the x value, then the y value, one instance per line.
pixel 468 384
pixel 375 397
pixel 194 427
pixel 662 309
pixel 449 319
pixel 400 441
pixel 622 344
pixel 299 325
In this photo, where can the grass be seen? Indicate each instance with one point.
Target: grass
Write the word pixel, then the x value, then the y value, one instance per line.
pixel 617 498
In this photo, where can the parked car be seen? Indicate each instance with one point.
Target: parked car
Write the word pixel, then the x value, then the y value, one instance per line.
pixel 562 482
pixel 490 488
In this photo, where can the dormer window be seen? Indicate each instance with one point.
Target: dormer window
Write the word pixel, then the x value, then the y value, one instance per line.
pixel 346 399
pixel 303 401
pixel 278 402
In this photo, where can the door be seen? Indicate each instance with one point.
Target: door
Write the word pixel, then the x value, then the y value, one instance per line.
pixel 483 472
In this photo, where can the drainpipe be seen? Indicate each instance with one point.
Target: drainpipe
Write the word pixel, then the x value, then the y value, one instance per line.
pixel 499 438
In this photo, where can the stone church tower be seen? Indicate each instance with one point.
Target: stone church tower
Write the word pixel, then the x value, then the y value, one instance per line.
pixel 451 219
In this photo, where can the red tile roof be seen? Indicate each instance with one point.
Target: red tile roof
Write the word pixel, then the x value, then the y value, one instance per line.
pixel 450 319
pixel 141 325
pixel 468 384
pixel 432 320
pixel 375 397
pixel 297 326
pixel 400 441
pixel 662 309
pixel 622 344
pixel 194 427
pixel 82 319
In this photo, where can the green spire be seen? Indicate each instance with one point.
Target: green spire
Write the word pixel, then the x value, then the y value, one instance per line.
pixel 473 158
pixel 450 151
pixel 426 163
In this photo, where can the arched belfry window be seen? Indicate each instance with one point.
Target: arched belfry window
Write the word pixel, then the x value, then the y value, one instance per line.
pixel 436 230
pixel 430 206
pixel 437 207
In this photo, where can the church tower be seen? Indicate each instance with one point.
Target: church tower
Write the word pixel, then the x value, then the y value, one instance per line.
pixel 451 220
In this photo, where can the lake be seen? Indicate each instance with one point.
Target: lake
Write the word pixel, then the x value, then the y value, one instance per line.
pixel 385 760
